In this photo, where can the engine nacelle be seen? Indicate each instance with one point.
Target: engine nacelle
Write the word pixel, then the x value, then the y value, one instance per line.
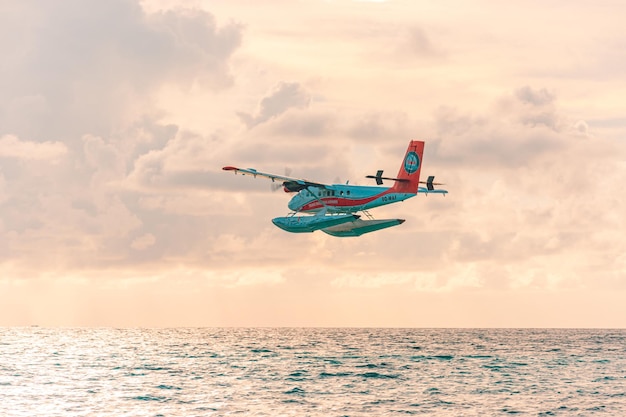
pixel 293 186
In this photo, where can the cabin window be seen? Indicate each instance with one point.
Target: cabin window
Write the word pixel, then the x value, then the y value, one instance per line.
pixel 340 192
pixel 348 192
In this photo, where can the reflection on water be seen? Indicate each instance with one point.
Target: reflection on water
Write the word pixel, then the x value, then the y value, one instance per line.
pixel 313 372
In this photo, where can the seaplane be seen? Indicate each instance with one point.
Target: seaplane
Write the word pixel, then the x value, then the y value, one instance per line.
pixel 342 210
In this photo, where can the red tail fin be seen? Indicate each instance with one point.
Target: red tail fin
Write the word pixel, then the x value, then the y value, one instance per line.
pixel 410 168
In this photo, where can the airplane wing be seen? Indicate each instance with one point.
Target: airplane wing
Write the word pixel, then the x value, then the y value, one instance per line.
pixel 290 184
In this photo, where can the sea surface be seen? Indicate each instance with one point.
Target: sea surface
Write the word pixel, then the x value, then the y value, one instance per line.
pixel 311 372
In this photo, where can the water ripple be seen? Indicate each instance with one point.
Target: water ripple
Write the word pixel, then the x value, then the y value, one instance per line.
pixel 313 372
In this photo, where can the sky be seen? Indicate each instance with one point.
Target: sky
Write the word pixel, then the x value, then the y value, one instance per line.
pixel 116 118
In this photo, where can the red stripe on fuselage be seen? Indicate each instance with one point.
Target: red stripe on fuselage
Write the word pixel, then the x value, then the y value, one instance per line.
pixel 342 201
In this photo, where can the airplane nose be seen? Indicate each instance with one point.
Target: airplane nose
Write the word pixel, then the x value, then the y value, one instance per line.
pixel 293 205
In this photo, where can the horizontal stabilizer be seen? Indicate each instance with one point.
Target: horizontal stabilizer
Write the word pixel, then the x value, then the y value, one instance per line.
pixel 379 178
pixel 360 227
pixel 424 190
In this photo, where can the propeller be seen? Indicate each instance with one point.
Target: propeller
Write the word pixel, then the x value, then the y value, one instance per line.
pixel 275 186
pixel 430 184
pixel 379 180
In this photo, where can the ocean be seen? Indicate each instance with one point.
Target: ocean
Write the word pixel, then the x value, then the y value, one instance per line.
pixel 311 372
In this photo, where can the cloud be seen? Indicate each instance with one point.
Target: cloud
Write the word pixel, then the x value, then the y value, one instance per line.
pixel 539 97
pixel 12 147
pixel 183 162
pixel 371 280
pixel 139 110
pixel 522 128
pixel 283 97
pixel 81 82
pixel 306 124
pixel 420 45
pixel 89 65
pixel 377 126
pixel 143 242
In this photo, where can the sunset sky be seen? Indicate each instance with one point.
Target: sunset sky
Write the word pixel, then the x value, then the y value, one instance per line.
pixel 116 117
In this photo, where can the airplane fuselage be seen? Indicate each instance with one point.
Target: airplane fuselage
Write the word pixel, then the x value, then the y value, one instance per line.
pixel 343 198
pixel 334 209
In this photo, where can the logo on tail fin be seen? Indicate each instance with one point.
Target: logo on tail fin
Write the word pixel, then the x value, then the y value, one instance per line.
pixel 411 163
